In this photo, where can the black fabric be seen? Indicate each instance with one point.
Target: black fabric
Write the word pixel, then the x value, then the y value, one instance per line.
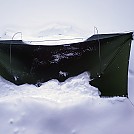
pixel 104 56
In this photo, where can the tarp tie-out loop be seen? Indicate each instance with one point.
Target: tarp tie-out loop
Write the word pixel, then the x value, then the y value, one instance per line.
pixel 16 34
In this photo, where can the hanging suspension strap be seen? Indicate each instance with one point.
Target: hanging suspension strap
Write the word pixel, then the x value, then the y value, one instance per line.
pixel 10 51
pixel 99 50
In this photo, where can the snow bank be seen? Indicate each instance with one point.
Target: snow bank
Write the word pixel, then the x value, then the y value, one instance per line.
pixel 70 107
pixel 73 89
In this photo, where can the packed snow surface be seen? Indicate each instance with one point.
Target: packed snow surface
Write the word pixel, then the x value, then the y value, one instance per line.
pixel 70 107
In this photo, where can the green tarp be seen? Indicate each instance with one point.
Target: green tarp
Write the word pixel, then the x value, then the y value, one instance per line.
pixel 104 56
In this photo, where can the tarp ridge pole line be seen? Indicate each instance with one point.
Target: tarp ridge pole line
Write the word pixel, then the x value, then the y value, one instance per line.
pixel 55 40
pixel 95 29
pixel 131 102
pixel 11 49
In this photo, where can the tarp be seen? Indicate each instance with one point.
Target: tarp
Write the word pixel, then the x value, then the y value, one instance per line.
pixel 104 56
pixel 115 51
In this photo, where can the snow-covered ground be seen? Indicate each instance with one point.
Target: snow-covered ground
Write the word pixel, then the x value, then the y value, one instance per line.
pixel 70 107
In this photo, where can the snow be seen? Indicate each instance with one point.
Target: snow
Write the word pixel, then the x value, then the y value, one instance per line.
pixel 53 34
pixel 70 107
